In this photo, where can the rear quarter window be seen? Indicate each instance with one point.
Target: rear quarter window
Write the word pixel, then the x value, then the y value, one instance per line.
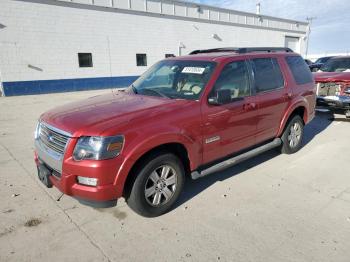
pixel 300 71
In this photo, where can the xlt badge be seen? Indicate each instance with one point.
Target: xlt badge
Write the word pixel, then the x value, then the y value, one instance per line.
pixel 212 139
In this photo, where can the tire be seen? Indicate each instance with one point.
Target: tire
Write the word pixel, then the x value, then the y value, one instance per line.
pixel 158 184
pixel 292 137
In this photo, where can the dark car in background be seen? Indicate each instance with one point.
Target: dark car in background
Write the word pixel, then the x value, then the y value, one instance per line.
pixel 323 60
pixel 333 84
pixel 314 67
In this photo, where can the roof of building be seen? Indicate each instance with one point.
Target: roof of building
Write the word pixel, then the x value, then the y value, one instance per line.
pixel 196 11
pixel 242 12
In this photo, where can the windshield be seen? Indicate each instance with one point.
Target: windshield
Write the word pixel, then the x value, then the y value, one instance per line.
pixel 323 60
pixel 175 79
pixel 336 65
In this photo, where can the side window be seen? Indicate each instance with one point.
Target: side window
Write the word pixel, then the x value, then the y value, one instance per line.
pixel 267 74
pixel 85 59
pixel 235 77
pixel 300 70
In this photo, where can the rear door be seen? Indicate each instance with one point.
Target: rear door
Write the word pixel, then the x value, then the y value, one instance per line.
pixel 272 95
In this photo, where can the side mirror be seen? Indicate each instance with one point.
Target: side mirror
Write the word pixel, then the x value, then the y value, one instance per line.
pixel 222 96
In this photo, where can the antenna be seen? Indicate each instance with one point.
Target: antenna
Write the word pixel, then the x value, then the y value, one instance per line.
pixel 310 20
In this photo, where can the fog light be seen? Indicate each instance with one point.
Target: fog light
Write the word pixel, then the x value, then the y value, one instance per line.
pixel 88 181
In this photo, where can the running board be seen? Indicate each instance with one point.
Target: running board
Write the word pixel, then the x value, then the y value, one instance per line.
pixel 237 159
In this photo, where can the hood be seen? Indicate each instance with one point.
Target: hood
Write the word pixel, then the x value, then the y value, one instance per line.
pixel 332 76
pixel 98 115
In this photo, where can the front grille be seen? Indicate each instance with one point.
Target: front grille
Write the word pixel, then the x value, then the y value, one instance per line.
pixel 328 89
pixel 52 139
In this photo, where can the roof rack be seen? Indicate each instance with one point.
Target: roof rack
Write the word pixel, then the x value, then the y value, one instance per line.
pixel 243 50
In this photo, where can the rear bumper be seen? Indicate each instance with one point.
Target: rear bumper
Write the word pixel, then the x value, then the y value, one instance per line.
pixel 339 102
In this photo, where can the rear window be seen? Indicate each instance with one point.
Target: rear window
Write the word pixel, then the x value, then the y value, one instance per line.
pixel 267 74
pixel 300 70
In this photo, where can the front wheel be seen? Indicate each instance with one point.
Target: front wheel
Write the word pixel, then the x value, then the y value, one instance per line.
pixel 157 186
pixel 292 136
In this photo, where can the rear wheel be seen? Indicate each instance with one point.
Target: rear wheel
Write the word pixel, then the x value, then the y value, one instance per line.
pixel 157 186
pixel 292 136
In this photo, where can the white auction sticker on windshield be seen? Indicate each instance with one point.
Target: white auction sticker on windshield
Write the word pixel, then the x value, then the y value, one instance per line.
pixel 193 70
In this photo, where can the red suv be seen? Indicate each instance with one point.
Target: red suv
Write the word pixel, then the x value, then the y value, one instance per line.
pixel 185 117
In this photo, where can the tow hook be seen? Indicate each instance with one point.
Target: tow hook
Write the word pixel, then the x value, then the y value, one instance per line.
pixel 44 175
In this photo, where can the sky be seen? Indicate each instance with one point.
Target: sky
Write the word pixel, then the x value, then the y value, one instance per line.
pixel 330 31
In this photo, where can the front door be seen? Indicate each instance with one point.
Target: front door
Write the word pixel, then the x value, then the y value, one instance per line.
pixel 230 127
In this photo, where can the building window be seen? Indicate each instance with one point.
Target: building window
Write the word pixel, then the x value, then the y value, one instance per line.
pixel 85 59
pixel 141 59
pixel 169 55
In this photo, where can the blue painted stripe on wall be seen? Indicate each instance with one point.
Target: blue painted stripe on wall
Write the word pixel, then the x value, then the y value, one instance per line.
pixel 65 85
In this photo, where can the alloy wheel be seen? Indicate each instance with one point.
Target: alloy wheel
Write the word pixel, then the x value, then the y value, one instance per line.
pixel 294 136
pixel 161 185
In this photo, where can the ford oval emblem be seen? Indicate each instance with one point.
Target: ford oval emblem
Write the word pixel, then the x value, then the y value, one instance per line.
pixel 50 138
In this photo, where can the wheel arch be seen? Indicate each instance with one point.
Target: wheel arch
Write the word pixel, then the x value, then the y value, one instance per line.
pixel 175 148
pixel 300 109
pixel 184 146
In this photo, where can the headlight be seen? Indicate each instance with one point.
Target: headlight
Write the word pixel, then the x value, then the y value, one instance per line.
pixel 347 91
pixel 98 148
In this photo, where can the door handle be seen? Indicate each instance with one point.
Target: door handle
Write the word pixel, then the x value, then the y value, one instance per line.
pixel 249 106
pixel 288 95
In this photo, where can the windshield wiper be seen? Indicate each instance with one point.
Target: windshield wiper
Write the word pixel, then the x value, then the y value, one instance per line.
pixel 134 89
pixel 156 92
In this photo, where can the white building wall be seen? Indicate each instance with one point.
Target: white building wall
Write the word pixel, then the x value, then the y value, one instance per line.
pixel 40 39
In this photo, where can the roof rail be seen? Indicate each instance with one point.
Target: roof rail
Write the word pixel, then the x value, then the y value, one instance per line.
pixel 265 49
pixel 215 50
pixel 243 50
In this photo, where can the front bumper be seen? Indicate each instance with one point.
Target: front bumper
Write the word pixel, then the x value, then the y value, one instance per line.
pixel 339 102
pixel 63 173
